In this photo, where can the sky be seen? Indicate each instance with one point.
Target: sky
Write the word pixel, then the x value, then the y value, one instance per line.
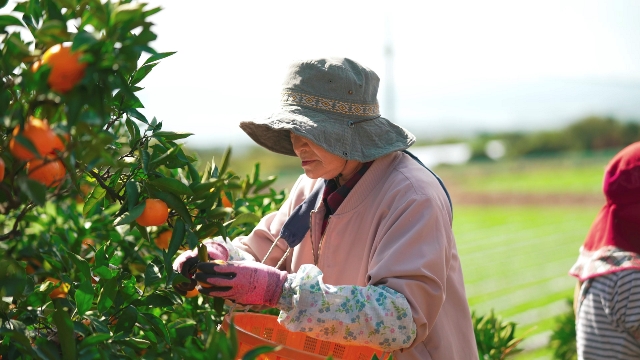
pixel 458 67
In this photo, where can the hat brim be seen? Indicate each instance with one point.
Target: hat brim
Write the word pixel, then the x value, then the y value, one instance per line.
pixel 362 140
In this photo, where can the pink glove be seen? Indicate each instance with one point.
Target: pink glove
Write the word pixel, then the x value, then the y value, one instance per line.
pixel 186 262
pixel 244 282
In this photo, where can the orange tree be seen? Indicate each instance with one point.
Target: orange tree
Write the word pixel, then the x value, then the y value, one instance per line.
pixel 87 185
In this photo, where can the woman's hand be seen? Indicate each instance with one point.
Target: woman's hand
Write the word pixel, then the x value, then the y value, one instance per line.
pixel 244 282
pixel 186 262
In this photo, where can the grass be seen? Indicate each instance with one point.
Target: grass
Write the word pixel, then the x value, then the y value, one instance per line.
pixel 567 174
pixel 515 258
pixel 515 261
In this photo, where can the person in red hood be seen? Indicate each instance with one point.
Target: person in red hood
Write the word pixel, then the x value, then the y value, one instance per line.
pixel 607 298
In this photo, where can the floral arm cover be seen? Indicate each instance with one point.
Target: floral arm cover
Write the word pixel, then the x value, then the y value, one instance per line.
pixel 235 254
pixel 375 316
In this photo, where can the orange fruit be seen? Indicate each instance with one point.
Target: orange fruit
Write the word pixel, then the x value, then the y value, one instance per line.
pixel 32 265
pixel 155 213
pixel 192 293
pixel 66 68
pixel 61 291
pixel 206 285
pixel 48 171
pixel 41 136
pixel 163 239
pixel 88 243
pixel 226 202
pixel 1 169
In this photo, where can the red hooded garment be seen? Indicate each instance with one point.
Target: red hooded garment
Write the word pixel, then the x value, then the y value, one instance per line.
pixel 613 242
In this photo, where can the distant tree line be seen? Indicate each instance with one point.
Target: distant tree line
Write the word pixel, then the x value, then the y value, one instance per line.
pixel 593 133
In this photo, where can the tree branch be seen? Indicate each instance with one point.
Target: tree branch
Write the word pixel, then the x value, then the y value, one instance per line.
pixel 103 185
pixel 14 231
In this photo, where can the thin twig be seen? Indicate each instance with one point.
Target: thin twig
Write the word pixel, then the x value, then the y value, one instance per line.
pixel 14 231
pixel 103 185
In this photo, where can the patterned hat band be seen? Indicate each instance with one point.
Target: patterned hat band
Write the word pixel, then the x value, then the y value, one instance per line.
pixel 336 106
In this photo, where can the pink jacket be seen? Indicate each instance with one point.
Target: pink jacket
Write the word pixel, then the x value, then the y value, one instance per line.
pixel 393 229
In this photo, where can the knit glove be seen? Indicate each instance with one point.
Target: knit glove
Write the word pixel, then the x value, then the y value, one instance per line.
pixel 244 282
pixel 186 262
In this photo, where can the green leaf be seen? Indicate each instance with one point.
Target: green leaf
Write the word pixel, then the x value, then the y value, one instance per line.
pixel 94 198
pixel 158 56
pixel 225 161
pixel 65 333
pixel 18 336
pixel 126 12
pixel 133 193
pixel 157 325
pixel 218 307
pixel 204 187
pixel 170 135
pixel 255 175
pixel 141 73
pixel 108 294
pixel 209 230
pixel 177 237
pixel 264 184
pixel 174 202
pixel 158 161
pixel 145 160
pixel 84 297
pixel 83 40
pixel 172 185
pixel 143 231
pixel 152 274
pixel 9 20
pixel 52 32
pixel 246 218
pixel 94 339
pixel 157 300
pixel 81 264
pixel 193 173
pixel 13 278
pixel 131 215
pixel 259 350
pixel 126 320
pixel 34 190
pixel 134 131
pixel 103 271
pixel 133 343
pixel 138 115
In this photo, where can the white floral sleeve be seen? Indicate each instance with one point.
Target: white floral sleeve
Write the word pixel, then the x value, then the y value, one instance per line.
pixel 235 254
pixel 375 316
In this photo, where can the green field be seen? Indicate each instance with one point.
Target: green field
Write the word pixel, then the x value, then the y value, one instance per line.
pixel 515 261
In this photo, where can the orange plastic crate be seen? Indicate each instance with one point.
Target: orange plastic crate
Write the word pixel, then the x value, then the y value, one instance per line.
pixel 260 329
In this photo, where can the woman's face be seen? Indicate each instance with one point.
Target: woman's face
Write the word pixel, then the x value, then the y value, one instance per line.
pixel 316 161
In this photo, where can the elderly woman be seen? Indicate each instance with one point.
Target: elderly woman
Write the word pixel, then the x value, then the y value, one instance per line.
pixel 362 252
pixel 607 299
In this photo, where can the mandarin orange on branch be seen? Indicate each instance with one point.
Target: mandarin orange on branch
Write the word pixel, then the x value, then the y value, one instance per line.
pixel 1 169
pixel 66 68
pixel 225 201
pixel 41 136
pixel 155 213
pixel 61 291
pixel 192 293
pixel 163 239
pixel 49 171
